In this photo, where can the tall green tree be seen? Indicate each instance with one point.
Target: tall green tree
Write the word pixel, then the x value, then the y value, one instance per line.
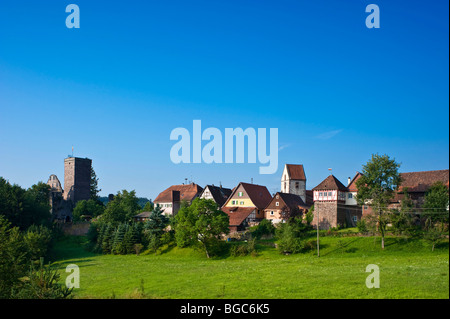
pixel 24 208
pixel 13 256
pixel 122 208
pixel 107 238
pixel 94 186
pixel 376 187
pixel 154 228
pixel 200 224
pixel 118 245
pixel 436 203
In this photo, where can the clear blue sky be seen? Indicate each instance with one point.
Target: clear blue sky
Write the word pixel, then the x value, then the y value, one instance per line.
pixel 115 88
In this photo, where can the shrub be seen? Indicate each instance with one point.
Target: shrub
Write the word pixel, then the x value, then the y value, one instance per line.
pixel 42 283
pixel 138 248
pixel 362 226
pixel 289 239
pixel 264 228
pixel 244 249
pixel 37 239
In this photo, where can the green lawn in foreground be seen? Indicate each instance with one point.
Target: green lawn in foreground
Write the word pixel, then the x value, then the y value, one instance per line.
pixel 408 269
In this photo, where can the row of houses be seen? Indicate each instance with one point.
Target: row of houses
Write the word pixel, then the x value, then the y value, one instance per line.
pixel 334 203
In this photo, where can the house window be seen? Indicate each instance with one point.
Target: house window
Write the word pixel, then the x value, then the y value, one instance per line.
pixel 277 203
pixel 297 184
pixel 271 212
pixel 233 202
pixel 242 203
pixel 278 196
pixel 240 194
pixel 329 194
pixel 355 219
pixel 320 194
pixel 365 207
pixel 350 195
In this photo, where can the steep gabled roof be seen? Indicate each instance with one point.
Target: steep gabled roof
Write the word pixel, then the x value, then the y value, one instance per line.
pixel 258 194
pixel 292 200
pixel 296 171
pixel 219 193
pixel 237 214
pixel 352 186
pixel 331 183
pixel 187 192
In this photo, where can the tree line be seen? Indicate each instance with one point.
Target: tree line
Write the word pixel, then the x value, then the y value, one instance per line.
pixel 26 238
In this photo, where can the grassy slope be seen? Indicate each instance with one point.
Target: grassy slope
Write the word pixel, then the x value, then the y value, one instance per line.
pixel 408 269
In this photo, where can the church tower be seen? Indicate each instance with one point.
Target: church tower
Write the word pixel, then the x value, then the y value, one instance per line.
pixel 293 180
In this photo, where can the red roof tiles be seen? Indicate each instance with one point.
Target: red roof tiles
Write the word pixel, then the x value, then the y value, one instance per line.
pixel 237 214
pixel 187 192
pixel 296 172
pixel 331 183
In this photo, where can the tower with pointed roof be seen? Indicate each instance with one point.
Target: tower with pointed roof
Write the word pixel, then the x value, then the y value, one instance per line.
pixel 330 209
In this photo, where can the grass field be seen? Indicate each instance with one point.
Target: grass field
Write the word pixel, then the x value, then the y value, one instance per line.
pixel 408 269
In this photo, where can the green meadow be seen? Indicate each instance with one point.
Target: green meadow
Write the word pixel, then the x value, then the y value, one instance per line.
pixel 408 269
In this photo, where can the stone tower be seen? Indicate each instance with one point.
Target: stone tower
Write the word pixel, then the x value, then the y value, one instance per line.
pixel 293 180
pixel 330 209
pixel 77 179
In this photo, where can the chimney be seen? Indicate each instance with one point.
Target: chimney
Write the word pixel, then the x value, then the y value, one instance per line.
pixel 349 181
pixel 252 180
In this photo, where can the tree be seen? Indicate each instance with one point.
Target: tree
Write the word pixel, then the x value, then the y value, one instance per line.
pixel 13 255
pixel 201 224
pixel 289 238
pixel 130 239
pixel 154 228
pixel 94 186
pixel 122 208
pixel 148 207
pixel 264 228
pixel 287 213
pixel 24 207
pixel 376 187
pixel 403 220
pixel 118 245
pixel 436 203
pixel 89 207
pixel 42 283
pixel 107 238
pixel 434 233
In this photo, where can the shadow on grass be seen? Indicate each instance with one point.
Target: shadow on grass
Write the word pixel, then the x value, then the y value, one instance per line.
pixel 342 248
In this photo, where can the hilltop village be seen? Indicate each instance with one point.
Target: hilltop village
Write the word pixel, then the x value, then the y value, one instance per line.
pixel 247 204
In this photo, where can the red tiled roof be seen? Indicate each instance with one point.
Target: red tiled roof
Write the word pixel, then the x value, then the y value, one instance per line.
pixel 331 183
pixel 296 171
pixel 292 200
pixel 237 214
pixel 421 181
pixel 352 186
pixel 258 194
pixel 414 181
pixel 187 192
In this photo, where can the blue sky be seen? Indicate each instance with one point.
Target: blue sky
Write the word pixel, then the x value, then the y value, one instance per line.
pixel 115 88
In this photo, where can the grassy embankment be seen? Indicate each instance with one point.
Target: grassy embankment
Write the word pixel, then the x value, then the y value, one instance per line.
pixel 408 269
